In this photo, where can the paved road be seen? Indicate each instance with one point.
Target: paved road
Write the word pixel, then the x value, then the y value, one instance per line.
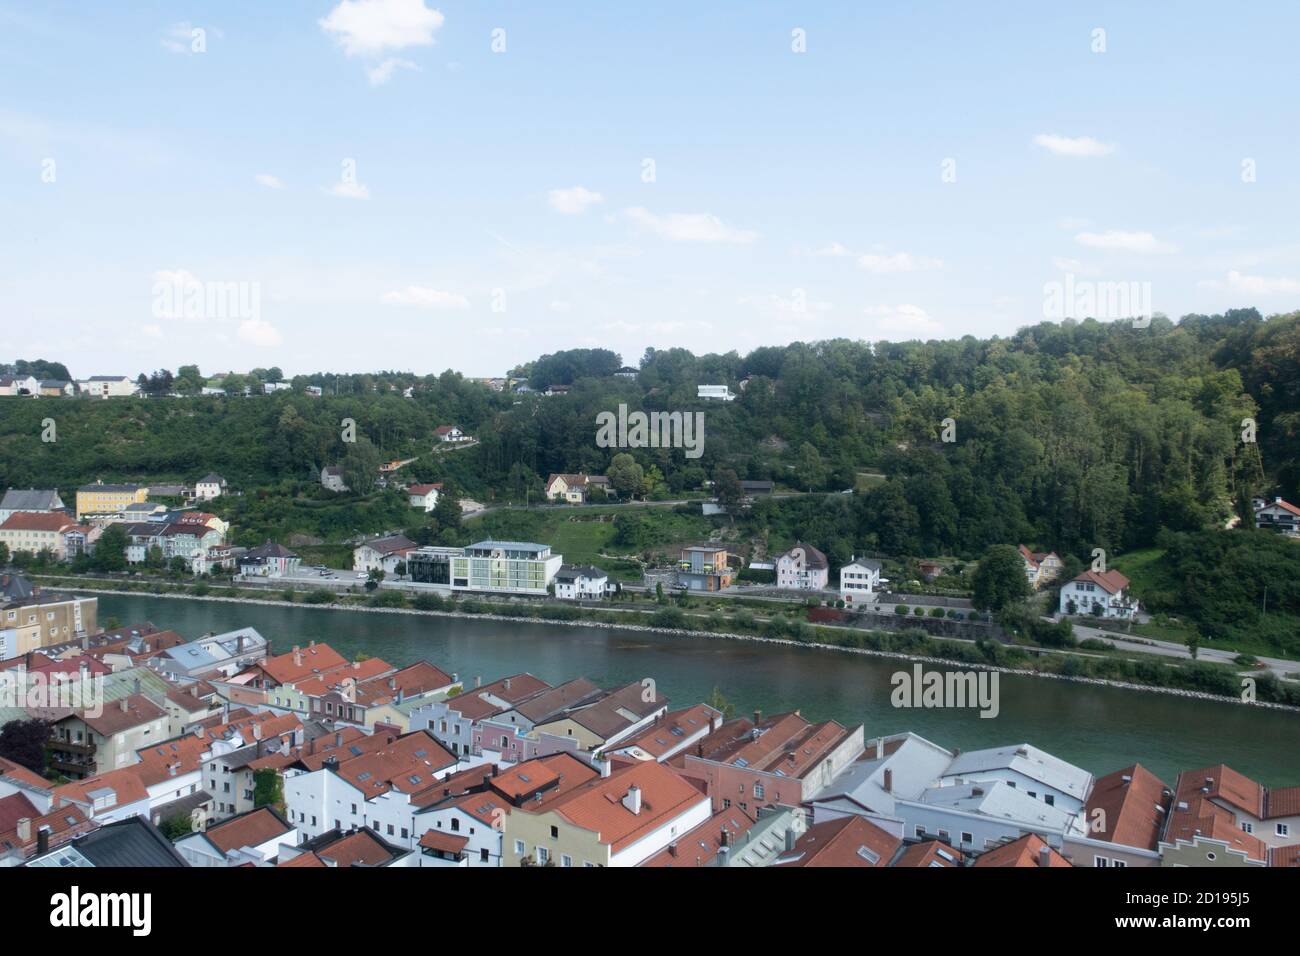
pixel 1144 645
pixel 623 504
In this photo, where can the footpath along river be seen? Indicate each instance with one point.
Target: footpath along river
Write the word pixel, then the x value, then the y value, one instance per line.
pixel 1099 728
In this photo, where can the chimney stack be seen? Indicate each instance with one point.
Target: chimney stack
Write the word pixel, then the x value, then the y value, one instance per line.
pixel 633 799
pixel 758 717
pixel 25 830
pixel 507 683
pixel 880 747
pixel 791 838
pixel 42 841
pixel 889 780
pixel 1045 856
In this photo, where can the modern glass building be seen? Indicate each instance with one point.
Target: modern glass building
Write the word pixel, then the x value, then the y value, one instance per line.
pixel 503 567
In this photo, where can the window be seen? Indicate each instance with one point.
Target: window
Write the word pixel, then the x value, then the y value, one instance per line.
pixel 1247 826
pixel 1100 861
pixel 519 847
pixel 455 825
pixel 555 833
pixel 483 855
pixel 758 791
pixel 1283 829
pixel 543 855
pixel 566 860
pixel 1049 799
pixel 920 832
pixel 966 837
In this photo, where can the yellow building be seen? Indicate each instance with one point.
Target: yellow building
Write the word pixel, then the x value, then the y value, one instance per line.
pixel 31 618
pixel 99 498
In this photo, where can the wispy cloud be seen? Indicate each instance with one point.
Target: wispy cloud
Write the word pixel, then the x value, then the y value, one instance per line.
pixel 1073 145
pixel 689 227
pixel 382 73
pixel 424 297
pixel 1252 285
pixel 1119 241
pixel 573 200
pixel 269 181
pixel 887 263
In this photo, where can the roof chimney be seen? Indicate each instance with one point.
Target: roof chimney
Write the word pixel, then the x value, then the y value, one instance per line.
pixel 1045 856
pixel 758 717
pixel 478 680
pixel 880 747
pixel 507 683
pixel 791 838
pixel 257 731
pixel 633 799
pixel 25 830
pixel 889 780
pixel 42 841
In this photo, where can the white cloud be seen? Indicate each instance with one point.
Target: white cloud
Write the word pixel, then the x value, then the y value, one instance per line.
pixel 1074 266
pixel 1253 285
pixel 349 190
pixel 688 227
pixel 1073 223
pixel 371 28
pixel 259 332
pixel 573 201
pixel 382 73
pixel 269 181
pixel 883 264
pixel 903 319
pixel 796 306
pixel 426 298
pixel 832 250
pixel 560 305
pixel 1073 146
pixel 1118 241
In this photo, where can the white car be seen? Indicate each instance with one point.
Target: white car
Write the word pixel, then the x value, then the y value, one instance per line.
pixel 362 576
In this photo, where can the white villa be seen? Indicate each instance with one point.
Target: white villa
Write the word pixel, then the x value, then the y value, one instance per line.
pixel 1100 593
pixel 859 581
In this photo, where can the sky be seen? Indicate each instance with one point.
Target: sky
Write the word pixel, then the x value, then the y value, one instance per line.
pixel 401 184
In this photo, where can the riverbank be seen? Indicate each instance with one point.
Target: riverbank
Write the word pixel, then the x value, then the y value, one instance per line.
pixel 943 652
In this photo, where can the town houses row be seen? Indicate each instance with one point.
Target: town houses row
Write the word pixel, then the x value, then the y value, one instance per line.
pixel 244 757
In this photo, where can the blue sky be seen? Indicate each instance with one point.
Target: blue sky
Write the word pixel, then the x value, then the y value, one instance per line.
pixel 499 206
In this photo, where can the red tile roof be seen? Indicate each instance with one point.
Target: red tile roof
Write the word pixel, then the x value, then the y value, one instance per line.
pixel 1112 582
pixel 1133 805
pixel 598 806
pixel 248 829
pixel 699 847
pixel 845 841
pixel 932 853
pixel 1026 852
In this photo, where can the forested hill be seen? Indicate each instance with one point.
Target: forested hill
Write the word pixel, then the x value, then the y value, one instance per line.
pixel 1070 436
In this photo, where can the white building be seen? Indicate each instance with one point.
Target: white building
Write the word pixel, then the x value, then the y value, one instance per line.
pixel 451 434
pixel 33 499
pixel 425 496
pixel 382 554
pixel 331 478
pixel 573 583
pixel 715 392
pixel 1280 516
pixel 1100 594
pixel 19 385
pixel 859 581
pixel 508 567
pixel 1041 567
pixel 107 386
pixel 209 487
pixel 802 568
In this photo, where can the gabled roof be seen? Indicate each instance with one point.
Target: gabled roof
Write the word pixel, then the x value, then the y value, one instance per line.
pixel 846 841
pixel 33 499
pixel 1030 850
pixel 552 702
pixel 17 773
pixel 1134 806
pixel 424 489
pixel 699 846
pixel 122 715
pixel 1024 759
pixel 247 830
pixel 390 544
pixel 813 558
pixel 124 784
pixel 1111 582
pixel 930 854
pixel 599 806
pixel 302 662
pixel 672 730
pixel 37 521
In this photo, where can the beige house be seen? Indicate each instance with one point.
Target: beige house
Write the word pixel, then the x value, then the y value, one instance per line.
pixel 84 743
pixel 31 618
pixel 35 532
pixel 1041 567
pixel 574 489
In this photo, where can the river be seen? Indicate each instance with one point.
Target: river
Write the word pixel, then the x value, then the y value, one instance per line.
pixel 1099 728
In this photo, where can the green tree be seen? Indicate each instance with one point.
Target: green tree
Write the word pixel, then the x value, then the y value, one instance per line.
pixel 625 475
pixel 720 703
pixel 1000 579
pixel 361 466
pixel 110 550
pixel 268 788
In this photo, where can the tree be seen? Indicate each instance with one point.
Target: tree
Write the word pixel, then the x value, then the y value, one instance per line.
pixel 23 742
pixel 361 466
pixel 1000 579
pixel 447 512
pixel 110 550
pixel 4 554
pixel 809 468
pixel 727 488
pixel 268 788
pixel 625 475
pixel 720 703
